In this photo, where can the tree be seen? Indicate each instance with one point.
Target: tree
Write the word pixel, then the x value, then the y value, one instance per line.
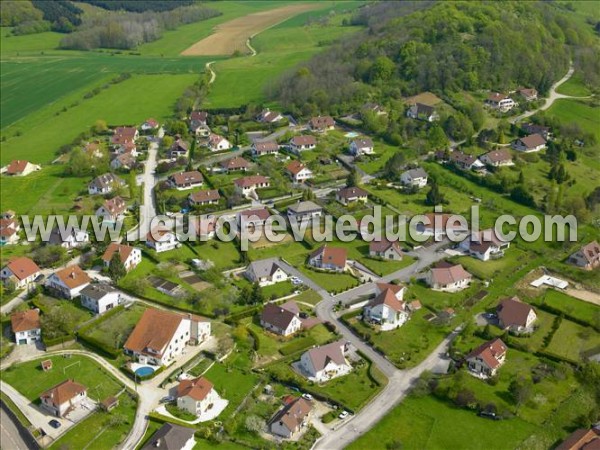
pixel 394 166
pixel 49 255
pixel 466 399
pixel 434 196
pixel 353 179
pixel 257 297
pixel 100 127
pixel 245 296
pixel 255 424
pixel 437 138
pixel 520 390
pixel 116 269
pixel 382 69
pixel 191 155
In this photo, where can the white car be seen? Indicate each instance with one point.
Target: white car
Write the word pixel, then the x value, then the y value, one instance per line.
pixel 307 397
pixel 343 415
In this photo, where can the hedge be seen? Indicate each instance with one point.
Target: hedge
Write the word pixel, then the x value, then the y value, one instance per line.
pixel 98 346
pixel 297 345
pixel 234 318
pixel 558 312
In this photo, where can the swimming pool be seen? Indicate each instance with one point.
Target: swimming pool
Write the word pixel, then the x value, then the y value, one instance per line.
pixel 144 371
pixel 351 134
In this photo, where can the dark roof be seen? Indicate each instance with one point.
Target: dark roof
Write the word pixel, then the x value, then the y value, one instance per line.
pixel 292 414
pixel 351 192
pixel 279 316
pixel 169 437
pixel 512 311
pixel 97 290
pixel 533 140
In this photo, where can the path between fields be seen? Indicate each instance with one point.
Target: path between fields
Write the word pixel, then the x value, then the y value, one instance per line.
pixel 233 35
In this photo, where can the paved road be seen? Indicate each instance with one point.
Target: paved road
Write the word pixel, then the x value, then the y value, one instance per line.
pixel 552 96
pixel 10 438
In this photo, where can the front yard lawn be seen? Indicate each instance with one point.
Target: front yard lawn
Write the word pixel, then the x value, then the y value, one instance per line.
pixel 408 345
pixel 330 281
pixel 486 270
pixel 31 381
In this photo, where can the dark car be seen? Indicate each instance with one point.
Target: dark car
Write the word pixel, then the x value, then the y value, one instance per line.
pixel 54 423
pixel 488 415
pixel 303 315
pixel 39 278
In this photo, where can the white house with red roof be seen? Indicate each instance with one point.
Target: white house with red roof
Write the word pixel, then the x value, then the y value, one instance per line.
pixel 501 102
pixel 387 311
pixel 21 270
pixel 362 146
pixel 20 168
pixel 217 143
pixel 484 245
pixel 530 144
pixel 303 142
pixel 351 194
pixel 329 258
pixel 112 210
pixel 161 239
pixel 298 171
pixel 448 277
pixel 253 218
pixel 130 256
pixel 198 397
pixel 68 282
pixel 485 360
pixel 26 326
pixel 321 124
pixel 262 148
pixel 149 125
pixel 64 397
pixel 248 185
pixel 9 228
pixel 268 116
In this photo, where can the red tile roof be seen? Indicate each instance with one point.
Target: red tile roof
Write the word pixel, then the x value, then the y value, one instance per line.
pixel 17 166
pixel 25 320
pixel 335 256
pixel 63 392
pixel 198 388
pixel 490 353
pixel 123 250
pixel 22 267
pixel 73 276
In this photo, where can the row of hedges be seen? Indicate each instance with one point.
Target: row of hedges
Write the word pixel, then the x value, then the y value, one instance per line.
pixel 558 312
pixel 297 345
pixel 235 318
pixel 99 347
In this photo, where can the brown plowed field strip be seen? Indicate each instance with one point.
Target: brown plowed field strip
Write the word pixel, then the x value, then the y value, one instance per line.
pixel 231 36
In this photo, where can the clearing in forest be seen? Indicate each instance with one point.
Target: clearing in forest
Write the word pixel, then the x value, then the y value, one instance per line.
pixel 231 36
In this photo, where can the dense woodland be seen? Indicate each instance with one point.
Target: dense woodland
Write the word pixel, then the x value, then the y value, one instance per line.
pixel 447 47
pixel 139 5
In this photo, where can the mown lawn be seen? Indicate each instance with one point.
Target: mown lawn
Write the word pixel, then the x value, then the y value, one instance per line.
pixel 102 429
pixel 571 340
pixel 31 381
pixel 570 305
pixel 426 422
pixel 486 270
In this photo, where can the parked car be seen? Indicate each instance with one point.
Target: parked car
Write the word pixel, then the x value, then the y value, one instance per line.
pixel 488 415
pixel 303 315
pixel 307 397
pixel 343 415
pixel 54 423
pixel 167 399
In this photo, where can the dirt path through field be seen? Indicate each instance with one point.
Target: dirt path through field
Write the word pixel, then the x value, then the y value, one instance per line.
pixel 233 35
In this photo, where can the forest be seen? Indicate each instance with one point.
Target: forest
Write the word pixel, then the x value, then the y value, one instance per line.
pixel 444 48
pixel 139 5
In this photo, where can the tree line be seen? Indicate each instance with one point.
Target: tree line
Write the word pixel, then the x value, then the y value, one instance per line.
pixel 127 30
pixel 139 5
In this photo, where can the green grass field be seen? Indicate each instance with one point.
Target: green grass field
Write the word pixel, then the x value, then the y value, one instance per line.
pixel 425 422
pixel 577 111
pixel 129 102
pixel 571 340
pixel 29 378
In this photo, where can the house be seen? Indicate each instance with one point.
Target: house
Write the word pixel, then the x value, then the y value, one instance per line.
pixel 448 277
pixel 352 194
pixel 100 297
pixel 302 142
pixel 21 270
pixel 203 198
pixel 387 311
pixel 291 419
pixel 362 146
pixel 398 289
pixel 206 227
pixel 529 94
pixel 265 272
pixel 486 359
pixel 161 336
pixel 104 184
pixel 532 128
pixel 500 102
pixel 217 143
pixel 441 224
pixel 497 158
pixel 196 396
pixel 283 320
pixel 124 135
pixel 298 171
pixel 129 256
pixel 329 258
pixel 126 161
pixel 72 238
pixel 161 239
pixel 531 143
pixel 268 116
pixel 385 249
pixel 253 219
pixel 198 120
pixel 304 211
pixel 26 327
pixel 414 177
pixel 248 185
pixel 325 362
pixel 422 112
pixel 149 125
pixel 464 161
pixel 171 437
pixel 374 108
pixel 178 149
pixel 64 397
pixel 68 282
pixel 515 316
pixel 484 245
pixel 21 168
pixel 186 180
pixel 112 209
pixel 9 228
pixel 129 148
pixel 237 163
pixel 261 148
pixel 93 149
pixel 582 439
pixel 321 123
pixel 587 257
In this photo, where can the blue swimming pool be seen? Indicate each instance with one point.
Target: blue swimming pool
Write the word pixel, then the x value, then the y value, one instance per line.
pixel 144 371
